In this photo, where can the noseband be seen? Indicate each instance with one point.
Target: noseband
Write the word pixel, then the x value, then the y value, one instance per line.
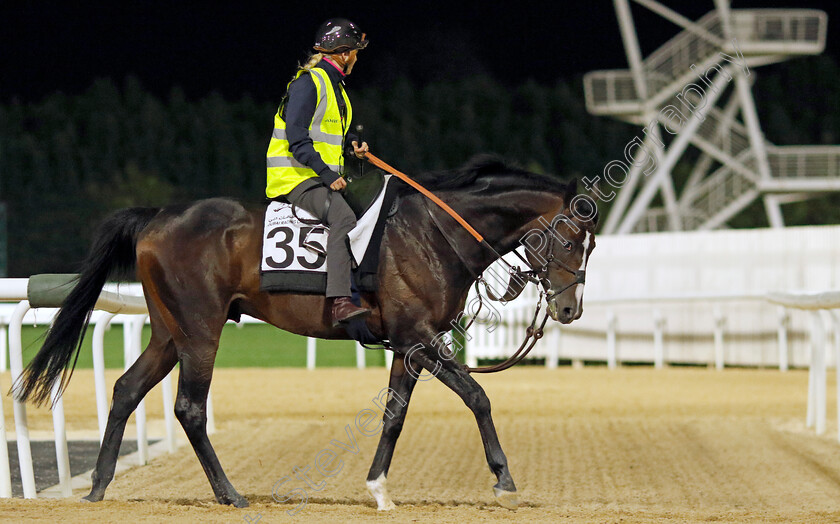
pixel 580 274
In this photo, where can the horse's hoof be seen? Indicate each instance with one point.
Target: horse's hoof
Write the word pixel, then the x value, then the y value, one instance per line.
pixel 380 493
pixel 91 498
pixel 237 501
pixel 506 499
pixel 387 506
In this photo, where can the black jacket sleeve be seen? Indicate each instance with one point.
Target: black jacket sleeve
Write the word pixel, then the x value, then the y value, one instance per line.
pixel 300 107
pixel 348 144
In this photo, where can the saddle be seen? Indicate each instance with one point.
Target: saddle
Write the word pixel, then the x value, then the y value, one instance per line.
pixel 294 241
pixel 362 191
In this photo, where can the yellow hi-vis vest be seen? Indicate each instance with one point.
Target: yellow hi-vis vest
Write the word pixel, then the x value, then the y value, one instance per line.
pixel 326 130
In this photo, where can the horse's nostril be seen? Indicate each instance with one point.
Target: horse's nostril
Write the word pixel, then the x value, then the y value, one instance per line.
pixel 567 311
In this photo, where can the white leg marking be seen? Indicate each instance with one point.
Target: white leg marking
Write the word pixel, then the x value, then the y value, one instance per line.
pixel 506 499
pixel 380 493
pixel 579 287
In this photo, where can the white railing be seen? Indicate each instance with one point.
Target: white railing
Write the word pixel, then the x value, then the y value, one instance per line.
pixel 498 339
pixel 804 161
pixel 635 275
pixel 823 308
pixel 793 30
pixel 110 303
pixel 656 219
pixel 758 32
pixel 611 92
pixel 727 134
pixel 722 187
pixel 673 59
pixel 113 307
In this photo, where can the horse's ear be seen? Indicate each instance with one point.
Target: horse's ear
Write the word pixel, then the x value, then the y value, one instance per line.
pixel 570 191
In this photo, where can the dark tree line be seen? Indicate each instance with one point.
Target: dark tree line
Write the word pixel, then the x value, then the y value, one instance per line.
pixel 68 160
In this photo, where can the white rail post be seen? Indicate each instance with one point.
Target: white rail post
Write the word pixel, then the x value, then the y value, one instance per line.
pixel 128 352
pixel 554 348
pixel 27 473
pixel 360 356
pixel 211 416
pixel 169 412
pixel 4 348
pixel 310 353
pixel 818 362
pixel 5 470
pixel 100 390
pixel 62 456
pixel 784 322
pixel 131 351
pixel 720 322
pixel 658 339
pixel 811 410
pixel 132 332
pixel 389 359
pixel 142 434
pixel 835 325
pixel 480 336
pixel 835 320
pixel 612 352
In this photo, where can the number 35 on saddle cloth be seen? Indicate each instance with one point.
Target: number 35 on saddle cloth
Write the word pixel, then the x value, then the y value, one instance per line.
pixel 294 256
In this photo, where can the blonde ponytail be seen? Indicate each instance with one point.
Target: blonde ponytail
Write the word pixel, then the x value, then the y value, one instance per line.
pixel 313 60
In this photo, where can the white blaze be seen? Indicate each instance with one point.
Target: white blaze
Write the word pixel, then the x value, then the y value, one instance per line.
pixel 579 288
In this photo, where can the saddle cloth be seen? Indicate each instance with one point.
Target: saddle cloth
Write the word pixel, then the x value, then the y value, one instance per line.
pixel 294 252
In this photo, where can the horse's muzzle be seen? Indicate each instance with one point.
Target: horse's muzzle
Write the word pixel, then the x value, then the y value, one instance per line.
pixel 561 312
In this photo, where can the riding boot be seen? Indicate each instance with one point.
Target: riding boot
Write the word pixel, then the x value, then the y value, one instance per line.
pixel 343 311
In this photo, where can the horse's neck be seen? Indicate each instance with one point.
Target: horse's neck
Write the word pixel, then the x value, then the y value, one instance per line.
pixel 505 218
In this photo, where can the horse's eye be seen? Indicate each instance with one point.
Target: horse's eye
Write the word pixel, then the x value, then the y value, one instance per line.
pixel 568 246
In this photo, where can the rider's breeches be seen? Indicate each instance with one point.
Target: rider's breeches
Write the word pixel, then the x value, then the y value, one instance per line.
pixel 340 219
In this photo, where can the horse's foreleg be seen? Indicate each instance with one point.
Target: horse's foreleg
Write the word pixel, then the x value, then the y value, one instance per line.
pixel 459 381
pixel 191 411
pixel 153 364
pixel 401 385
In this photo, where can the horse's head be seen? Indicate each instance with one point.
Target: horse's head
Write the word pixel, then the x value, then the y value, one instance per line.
pixel 564 249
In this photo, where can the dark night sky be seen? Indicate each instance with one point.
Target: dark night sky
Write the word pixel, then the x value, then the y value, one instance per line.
pixel 249 47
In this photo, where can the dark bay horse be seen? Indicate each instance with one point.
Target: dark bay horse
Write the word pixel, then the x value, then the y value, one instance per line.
pixel 197 262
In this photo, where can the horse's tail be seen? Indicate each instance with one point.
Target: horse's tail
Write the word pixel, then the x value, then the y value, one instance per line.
pixel 112 254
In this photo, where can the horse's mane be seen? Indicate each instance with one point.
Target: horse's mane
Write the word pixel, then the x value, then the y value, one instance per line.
pixel 507 176
pixel 487 166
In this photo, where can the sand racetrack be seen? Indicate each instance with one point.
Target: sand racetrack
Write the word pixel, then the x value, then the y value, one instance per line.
pixel 632 445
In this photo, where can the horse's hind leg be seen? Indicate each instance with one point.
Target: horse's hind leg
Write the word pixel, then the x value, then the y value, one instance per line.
pixel 195 314
pixel 154 363
pixel 191 410
pixel 401 385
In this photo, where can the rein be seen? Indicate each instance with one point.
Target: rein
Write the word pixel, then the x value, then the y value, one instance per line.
pixel 532 333
pixel 519 277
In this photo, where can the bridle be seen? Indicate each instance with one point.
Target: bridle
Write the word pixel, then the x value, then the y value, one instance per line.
pixel 536 275
pixel 539 274
pixel 519 278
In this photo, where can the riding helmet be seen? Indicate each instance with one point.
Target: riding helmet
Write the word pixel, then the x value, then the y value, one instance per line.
pixel 338 35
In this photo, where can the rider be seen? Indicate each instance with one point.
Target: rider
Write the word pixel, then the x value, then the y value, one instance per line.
pixel 305 156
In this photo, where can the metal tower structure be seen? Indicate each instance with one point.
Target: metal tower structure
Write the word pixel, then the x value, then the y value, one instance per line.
pixel 696 90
